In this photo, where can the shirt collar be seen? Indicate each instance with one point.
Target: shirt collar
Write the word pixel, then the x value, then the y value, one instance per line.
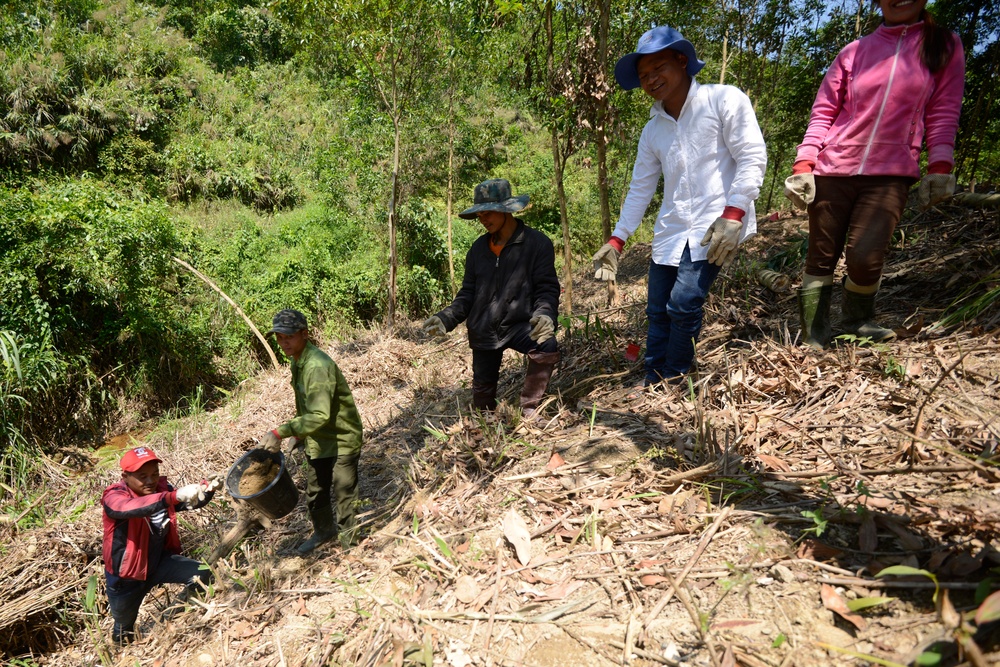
pixel 657 108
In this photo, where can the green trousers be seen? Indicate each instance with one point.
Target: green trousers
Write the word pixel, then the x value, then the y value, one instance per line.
pixel 338 474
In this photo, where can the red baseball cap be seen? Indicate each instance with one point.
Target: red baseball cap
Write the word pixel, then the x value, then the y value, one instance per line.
pixel 138 457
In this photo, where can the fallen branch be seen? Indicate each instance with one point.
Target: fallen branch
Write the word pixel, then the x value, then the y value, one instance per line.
pixel 705 540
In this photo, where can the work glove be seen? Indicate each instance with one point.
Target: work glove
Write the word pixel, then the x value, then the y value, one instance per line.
pixel 801 189
pixel 935 188
pixel 724 237
pixel 213 483
pixel 190 493
pixel 606 263
pixel 434 326
pixel 542 328
pixel 270 441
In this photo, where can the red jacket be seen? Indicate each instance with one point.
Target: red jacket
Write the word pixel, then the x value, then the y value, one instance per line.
pixel 127 527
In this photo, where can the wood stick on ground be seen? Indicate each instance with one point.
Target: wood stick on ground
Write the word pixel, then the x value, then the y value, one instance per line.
pixel 706 538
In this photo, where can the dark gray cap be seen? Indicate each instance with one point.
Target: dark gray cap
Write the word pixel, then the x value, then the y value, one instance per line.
pixel 494 195
pixel 288 321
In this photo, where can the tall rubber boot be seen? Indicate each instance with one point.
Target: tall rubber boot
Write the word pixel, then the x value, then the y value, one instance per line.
pixel 536 379
pixel 814 310
pixel 484 396
pixel 858 313
pixel 324 529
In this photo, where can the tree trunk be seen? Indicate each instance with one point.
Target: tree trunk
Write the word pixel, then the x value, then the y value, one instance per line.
pixel 604 7
pixel 451 185
pixel 390 318
pixel 564 217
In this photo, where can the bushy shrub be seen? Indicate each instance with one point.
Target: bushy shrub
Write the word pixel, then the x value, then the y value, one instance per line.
pixel 88 279
pixel 242 37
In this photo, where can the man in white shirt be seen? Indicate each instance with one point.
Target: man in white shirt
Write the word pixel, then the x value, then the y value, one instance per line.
pixel 705 142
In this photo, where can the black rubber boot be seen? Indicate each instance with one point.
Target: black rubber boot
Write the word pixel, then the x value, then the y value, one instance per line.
pixel 857 315
pixel 814 316
pixel 324 529
pixel 536 379
pixel 484 396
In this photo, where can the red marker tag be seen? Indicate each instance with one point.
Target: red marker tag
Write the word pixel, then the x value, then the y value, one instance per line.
pixel 632 352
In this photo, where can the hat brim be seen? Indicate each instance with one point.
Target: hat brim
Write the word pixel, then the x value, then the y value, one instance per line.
pixel 133 467
pixel 512 205
pixel 627 67
pixel 288 331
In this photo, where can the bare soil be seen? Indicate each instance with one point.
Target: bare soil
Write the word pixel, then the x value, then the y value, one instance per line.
pixel 257 476
pixel 738 520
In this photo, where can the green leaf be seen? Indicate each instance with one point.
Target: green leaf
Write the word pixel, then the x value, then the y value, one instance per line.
pixel 445 549
pixel 865 603
pixel 905 571
pixel 778 641
pixel 437 434
pixel 989 610
pixel 928 659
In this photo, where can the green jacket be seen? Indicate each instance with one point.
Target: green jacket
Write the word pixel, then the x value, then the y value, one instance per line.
pixel 326 417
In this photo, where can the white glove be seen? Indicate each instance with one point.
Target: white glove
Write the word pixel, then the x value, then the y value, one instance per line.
pixel 270 442
pixel 189 493
pixel 606 263
pixel 801 189
pixel 434 326
pixel 724 237
pixel 213 483
pixel 935 188
pixel 542 328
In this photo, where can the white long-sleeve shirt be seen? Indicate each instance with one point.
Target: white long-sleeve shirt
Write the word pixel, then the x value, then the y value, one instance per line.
pixel 711 156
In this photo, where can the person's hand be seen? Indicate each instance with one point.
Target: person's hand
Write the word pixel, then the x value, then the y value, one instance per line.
pixel 189 493
pixel 434 326
pixel 271 441
pixel 935 188
pixel 801 189
pixel 606 263
pixel 724 237
pixel 542 328
pixel 213 483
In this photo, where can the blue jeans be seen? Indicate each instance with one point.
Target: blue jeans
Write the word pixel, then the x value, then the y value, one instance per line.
pixel 674 307
pixel 125 596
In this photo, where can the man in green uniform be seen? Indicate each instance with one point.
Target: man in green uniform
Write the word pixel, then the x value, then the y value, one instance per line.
pixel 329 423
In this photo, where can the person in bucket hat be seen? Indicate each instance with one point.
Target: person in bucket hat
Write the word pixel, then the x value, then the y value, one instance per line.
pixel 704 141
pixel 141 544
pixel 509 297
pixel 327 422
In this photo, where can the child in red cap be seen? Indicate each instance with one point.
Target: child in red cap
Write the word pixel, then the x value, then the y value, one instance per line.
pixel 141 544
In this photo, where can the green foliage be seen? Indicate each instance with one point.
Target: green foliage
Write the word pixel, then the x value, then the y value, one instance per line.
pixel 242 37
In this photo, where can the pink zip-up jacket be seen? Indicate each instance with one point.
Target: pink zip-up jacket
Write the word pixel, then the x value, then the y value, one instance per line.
pixel 878 102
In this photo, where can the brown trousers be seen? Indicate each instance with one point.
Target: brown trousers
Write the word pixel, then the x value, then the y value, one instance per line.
pixel 854 216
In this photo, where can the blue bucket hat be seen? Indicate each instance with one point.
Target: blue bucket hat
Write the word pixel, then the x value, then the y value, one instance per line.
pixel 652 41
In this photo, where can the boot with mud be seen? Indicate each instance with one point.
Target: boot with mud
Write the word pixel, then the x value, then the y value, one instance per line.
pixel 814 311
pixel 536 379
pixel 324 529
pixel 858 313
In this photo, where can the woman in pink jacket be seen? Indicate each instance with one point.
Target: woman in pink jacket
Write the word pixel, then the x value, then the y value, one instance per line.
pixel 884 95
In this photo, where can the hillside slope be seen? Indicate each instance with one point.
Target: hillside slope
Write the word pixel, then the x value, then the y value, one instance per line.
pixel 715 525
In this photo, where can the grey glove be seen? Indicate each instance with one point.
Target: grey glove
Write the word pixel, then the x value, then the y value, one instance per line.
pixel 542 328
pixel 270 442
pixel 801 189
pixel 189 493
pixel 434 326
pixel 724 237
pixel 606 263
pixel 935 188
